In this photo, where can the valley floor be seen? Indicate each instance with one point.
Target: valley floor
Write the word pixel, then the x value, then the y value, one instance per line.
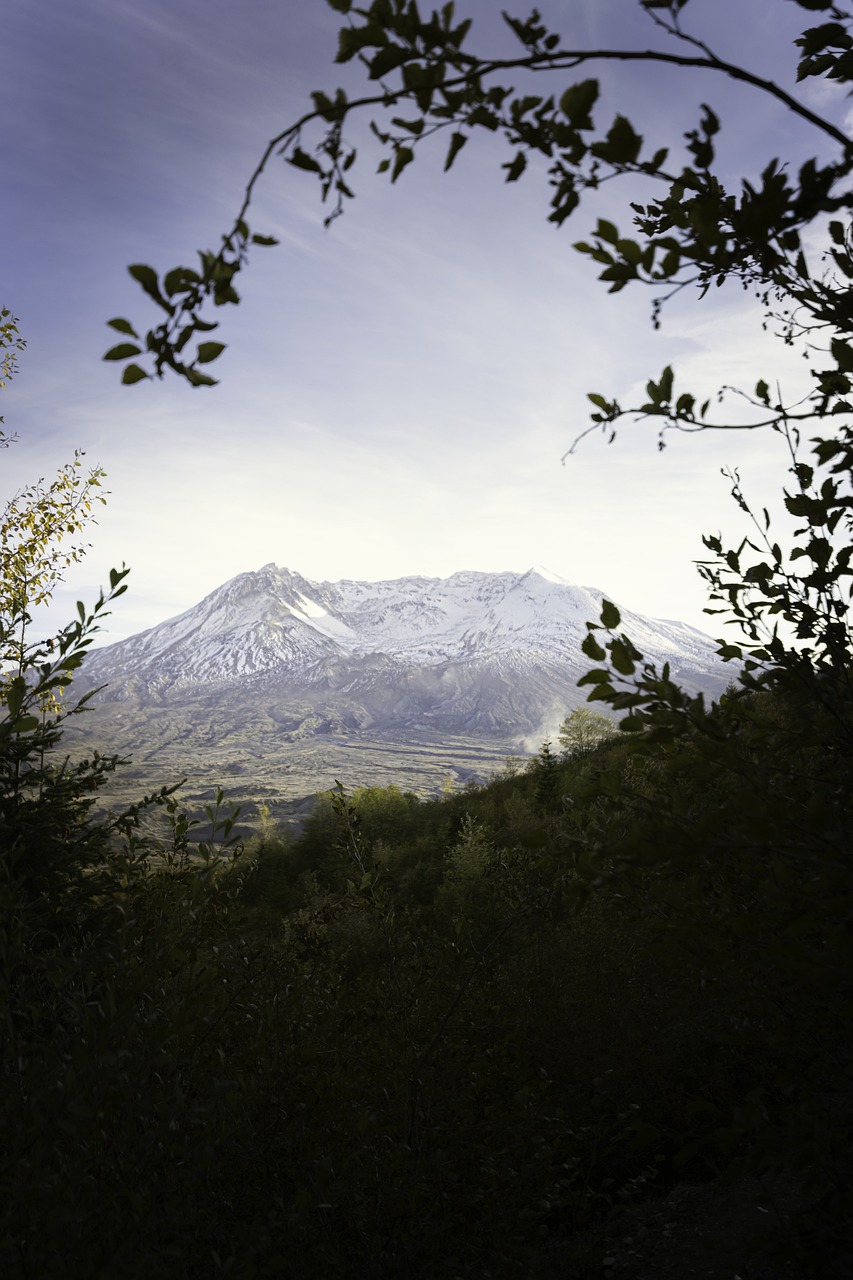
pixel 285 775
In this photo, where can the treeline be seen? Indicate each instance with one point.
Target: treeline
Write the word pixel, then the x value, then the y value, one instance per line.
pixel 447 1038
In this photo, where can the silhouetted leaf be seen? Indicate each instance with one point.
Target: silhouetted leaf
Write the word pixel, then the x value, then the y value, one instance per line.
pixel 147 277
pixel 593 649
pixel 208 351
pixel 123 326
pixel 578 101
pixel 610 616
pixel 123 351
pixel 301 160
pixel 457 142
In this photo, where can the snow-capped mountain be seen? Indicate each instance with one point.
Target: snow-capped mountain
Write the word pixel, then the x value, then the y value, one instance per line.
pixel 476 652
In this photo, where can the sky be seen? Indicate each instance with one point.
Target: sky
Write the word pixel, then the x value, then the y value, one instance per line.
pixel 398 391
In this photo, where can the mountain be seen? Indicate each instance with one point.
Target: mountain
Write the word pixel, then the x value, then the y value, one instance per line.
pixel 275 685
pixel 476 652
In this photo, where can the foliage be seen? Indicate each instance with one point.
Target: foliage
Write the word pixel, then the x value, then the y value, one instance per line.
pixel 104 997
pixel 114 968
pixel 544 769
pixel 458 1045
pixel 582 731
pixel 695 233
pixel 11 345
pixel 34 527
pixel 34 552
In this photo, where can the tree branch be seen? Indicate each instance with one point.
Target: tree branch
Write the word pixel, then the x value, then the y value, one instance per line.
pixel 564 59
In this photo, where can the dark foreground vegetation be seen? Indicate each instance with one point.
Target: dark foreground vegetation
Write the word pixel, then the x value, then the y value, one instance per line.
pixel 448 1038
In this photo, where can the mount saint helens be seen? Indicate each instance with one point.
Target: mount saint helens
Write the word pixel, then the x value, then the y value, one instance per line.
pixel 271 669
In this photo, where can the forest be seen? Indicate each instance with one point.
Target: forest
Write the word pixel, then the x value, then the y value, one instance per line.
pixel 519 1030
pixel 463 1037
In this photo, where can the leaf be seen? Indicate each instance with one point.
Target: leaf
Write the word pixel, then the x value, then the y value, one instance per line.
pixel 402 157
pixel 621 658
pixel 483 116
pixel 324 105
pixel 14 695
pixel 133 373
pixel 729 652
pixel 123 326
pixel 603 692
pixel 411 126
pixel 147 277
pixel 515 168
pixel 593 649
pixel 577 102
pixel 209 351
pixel 268 240
pixel 665 384
pixel 123 351
pixel 388 59
pixel 225 293
pixel 843 355
pixel 179 278
pixel 199 379
pixel 352 40
pixel 26 724
pixel 622 145
pixel 183 338
pixel 598 676
pixel 301 160
pixel 630 251
pixel 610 616
pixel 457 142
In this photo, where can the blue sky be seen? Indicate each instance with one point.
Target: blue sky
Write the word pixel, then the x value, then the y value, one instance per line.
pixel 397 391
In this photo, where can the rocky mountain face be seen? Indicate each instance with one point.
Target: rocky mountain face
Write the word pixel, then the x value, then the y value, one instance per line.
pixel 484 654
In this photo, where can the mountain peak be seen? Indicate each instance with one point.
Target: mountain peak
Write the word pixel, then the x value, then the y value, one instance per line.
pixel 274 623
pixel 539 571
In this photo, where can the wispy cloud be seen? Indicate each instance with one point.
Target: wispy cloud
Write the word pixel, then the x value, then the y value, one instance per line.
pixel 398 391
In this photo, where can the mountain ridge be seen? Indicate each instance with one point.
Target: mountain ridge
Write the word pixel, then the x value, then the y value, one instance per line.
pixel 275 621
pixel 276 685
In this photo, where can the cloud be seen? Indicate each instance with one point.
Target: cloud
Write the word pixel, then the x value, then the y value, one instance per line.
pixel 397 392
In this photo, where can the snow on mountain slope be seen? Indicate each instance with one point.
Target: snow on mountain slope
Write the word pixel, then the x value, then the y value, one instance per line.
pixel 256 622
pixel 348 634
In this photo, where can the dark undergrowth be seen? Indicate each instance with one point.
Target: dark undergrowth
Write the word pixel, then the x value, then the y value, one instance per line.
pixel 451 1038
